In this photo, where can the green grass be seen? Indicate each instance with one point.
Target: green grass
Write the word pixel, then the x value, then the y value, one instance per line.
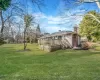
pixel 40 65
pixel 97 48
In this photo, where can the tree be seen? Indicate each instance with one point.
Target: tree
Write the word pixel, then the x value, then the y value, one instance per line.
pixel 18 35
pixel 27 21
pixel 73 4
pixel 4 4
pixel 11 8
pixel 38 29
pixel 28 18
pixel 91 21
pixel 89 27
pixel 38 33
pixel 8 9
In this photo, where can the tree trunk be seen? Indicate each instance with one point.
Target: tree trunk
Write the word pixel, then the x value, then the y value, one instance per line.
pixel 25 43
pixel 30 39
pixel 2 23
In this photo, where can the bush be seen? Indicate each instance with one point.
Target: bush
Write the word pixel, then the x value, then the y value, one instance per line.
pixel 93 46
pixel 97 48
pixel 85 45
pixel 98 42
pixel 2 41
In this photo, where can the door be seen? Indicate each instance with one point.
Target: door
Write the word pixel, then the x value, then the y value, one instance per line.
pixel 75 40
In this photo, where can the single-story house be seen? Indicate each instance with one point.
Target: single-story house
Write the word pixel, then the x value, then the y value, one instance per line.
pixel 60 39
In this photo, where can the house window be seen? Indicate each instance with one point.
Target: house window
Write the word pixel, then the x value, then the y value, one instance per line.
pixel 59 37
pixel 56 37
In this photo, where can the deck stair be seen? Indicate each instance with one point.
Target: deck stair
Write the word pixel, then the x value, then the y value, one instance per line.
pixel 65 43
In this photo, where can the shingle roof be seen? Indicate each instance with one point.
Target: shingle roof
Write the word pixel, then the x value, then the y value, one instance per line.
pixel 45 36
pixel 60 33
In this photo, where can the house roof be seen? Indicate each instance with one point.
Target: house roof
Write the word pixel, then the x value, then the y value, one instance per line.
pixel 60 33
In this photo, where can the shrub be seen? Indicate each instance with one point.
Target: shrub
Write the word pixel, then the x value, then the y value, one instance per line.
pixel 85 45
pixel 93 46
pixel 97 48
pixel 2 41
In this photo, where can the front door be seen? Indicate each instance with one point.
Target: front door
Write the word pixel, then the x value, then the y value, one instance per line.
pixel 75 40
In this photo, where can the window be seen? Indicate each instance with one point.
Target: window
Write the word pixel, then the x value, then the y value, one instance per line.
pixel 59 37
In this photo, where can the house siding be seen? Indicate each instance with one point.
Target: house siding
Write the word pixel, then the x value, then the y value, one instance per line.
pixel 69 38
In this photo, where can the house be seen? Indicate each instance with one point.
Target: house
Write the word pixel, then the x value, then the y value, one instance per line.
pixel 60 40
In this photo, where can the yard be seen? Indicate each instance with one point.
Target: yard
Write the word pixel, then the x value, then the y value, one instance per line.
pixel 40 65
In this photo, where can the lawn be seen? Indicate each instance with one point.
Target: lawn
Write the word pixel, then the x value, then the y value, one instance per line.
pixel 40 65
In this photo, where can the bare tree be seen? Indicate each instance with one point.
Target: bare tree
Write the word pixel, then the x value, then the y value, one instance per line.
pixel 10 12
pixel 18 35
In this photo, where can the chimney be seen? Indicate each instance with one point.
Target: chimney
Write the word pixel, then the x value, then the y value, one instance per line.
pixel 59 30
pixel 76 29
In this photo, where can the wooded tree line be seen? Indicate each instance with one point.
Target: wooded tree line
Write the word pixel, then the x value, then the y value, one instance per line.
pixel 10 12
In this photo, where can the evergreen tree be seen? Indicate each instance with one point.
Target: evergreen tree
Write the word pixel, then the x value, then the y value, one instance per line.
pixel 38 29
pixel 4 4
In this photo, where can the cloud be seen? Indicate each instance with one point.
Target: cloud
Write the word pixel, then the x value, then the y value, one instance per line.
pixel 54 23
pixel 57 20
pixel 52 29
pixel 39 15
pixel 66 18
pixel 51 19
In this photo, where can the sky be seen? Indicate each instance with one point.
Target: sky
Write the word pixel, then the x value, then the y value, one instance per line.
pixel 56 15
